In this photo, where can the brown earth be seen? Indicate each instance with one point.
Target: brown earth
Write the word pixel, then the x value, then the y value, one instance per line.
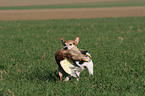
pixel 74 13
pixel 47 2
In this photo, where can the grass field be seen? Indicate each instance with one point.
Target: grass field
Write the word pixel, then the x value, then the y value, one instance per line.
pixel 117 46
pixel 127 3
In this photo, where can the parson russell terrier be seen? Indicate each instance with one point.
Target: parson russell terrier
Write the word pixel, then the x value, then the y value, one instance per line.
pixel 71 60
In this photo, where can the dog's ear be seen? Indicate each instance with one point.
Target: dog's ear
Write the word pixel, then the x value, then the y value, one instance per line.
pixel 63 41
pixel 77 40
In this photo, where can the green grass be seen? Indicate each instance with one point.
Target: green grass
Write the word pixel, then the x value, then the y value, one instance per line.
pixel 117 46
pixel 132 3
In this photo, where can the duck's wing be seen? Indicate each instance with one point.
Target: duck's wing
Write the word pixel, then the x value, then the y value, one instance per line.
pixel 83 51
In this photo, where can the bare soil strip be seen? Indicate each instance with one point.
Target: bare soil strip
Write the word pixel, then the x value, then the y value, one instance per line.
pixel 47 2
pixel 74 13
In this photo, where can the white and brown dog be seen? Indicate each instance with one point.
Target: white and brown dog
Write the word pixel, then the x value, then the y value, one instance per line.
pixel 69 67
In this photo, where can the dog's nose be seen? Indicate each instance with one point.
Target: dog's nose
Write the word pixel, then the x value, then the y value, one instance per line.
pixel 65 48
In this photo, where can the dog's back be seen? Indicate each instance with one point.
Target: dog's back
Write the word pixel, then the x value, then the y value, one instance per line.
pixel 59 56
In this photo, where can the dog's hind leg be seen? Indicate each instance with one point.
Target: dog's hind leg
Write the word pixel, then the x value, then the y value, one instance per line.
pixel 67 78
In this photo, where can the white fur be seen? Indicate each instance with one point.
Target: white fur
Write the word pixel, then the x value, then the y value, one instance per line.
pixel 88 65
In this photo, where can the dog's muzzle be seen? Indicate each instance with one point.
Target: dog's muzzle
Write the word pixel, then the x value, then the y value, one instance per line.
pixel 65 48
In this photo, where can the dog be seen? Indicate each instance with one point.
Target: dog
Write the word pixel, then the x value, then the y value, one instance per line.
pixel 71 60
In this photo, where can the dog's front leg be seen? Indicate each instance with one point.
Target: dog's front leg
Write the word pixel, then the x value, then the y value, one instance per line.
pixel 60 75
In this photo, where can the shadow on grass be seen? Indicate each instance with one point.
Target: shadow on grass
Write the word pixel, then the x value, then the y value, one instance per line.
pixel 2 67
pixel 44 76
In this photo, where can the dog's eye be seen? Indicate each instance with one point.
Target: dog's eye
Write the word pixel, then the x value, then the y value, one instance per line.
pixel 70 44
pixel 73 43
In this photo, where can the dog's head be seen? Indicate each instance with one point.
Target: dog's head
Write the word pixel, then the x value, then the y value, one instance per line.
pixel 70 43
